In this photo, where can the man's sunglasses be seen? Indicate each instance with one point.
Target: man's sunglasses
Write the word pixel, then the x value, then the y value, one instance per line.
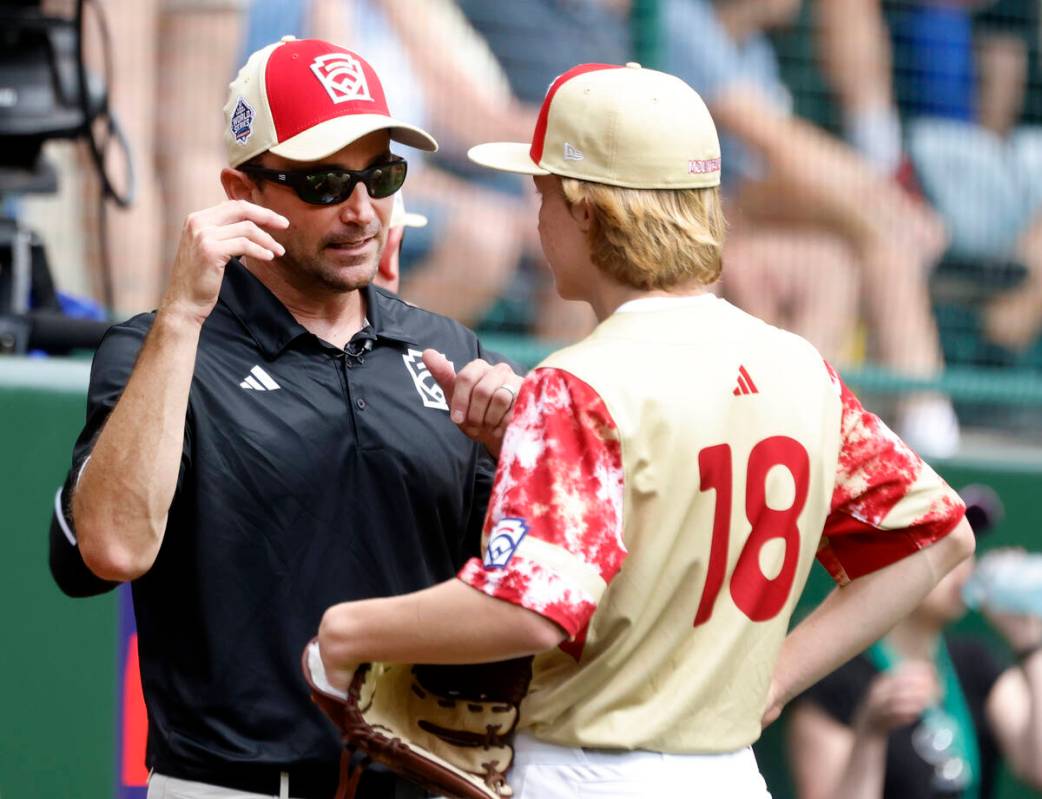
pixel 331 186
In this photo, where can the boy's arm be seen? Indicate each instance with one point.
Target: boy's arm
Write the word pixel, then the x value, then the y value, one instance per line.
pixel 855 615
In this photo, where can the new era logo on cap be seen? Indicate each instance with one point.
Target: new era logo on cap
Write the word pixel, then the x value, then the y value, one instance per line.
pixel 305 100
pixel 572 154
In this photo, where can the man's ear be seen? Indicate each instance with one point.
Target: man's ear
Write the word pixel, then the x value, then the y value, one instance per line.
pixel 237 185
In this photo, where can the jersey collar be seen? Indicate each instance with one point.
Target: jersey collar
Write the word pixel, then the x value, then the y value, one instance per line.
pixel 666 303
pixel 273 327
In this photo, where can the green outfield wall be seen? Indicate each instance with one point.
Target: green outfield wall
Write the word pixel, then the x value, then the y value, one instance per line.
pixel 58 656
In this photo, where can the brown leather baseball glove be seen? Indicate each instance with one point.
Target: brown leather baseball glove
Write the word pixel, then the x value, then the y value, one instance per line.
pixel 447 728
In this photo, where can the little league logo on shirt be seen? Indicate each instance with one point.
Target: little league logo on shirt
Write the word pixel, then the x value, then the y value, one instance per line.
pixel 503 542
pixel 242 121
pixel 427 387
pixel 342 77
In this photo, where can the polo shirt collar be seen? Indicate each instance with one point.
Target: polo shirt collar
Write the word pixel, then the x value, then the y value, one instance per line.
pixel 273 327
pixel 388 315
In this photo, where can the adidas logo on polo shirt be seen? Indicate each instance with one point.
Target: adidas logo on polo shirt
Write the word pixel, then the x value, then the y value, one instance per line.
pixel 259 380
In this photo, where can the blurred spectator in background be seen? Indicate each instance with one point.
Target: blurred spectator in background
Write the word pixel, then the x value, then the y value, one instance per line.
pixel 923 715
pixel 165 54
pixel 815 229
pixel 962 77
pixel 534 41
pixel 854 47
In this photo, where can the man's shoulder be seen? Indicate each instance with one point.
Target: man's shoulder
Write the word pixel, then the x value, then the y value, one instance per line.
pixel 139 323
pixel 419 323
pixel 124 338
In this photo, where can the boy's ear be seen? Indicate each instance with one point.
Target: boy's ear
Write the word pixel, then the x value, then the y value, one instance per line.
pixel 388 273
pixel 582 214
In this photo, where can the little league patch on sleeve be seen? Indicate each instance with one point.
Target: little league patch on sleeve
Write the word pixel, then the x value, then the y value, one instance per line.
pixel 242 121
pixel 503 542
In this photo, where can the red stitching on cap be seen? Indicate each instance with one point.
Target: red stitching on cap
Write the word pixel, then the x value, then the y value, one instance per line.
pixel 539 134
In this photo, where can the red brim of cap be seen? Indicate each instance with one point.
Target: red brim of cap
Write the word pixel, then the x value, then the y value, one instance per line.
pixel 506 157
pixel 331 136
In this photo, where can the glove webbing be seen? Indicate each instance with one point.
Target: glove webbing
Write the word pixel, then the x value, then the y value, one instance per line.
pixel 350 774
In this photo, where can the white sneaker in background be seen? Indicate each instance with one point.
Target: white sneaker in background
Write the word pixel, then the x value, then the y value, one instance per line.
pixel 929 426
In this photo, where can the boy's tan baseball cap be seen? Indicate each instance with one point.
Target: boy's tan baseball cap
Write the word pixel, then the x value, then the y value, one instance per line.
pixel 623 126
pixel 305 99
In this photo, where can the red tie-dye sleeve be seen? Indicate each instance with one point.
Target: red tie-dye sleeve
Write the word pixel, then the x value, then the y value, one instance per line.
pixel 887 503
pixel 553 534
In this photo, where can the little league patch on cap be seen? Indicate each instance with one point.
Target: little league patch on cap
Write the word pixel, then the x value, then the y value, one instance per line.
pixel 623 126
pixel 304 100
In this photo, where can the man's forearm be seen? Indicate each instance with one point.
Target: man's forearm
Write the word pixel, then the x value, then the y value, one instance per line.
pixel 863 775
pixel 121 502
pixel 854 616
pixel 855 52
pixel 1029 767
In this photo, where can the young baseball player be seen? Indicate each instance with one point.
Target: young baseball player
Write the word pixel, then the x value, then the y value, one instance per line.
pixel 665 484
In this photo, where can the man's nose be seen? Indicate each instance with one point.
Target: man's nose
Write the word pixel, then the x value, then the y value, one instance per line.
pixel 358 208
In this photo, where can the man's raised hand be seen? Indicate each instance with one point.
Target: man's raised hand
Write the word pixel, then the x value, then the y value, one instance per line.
pixel 209 239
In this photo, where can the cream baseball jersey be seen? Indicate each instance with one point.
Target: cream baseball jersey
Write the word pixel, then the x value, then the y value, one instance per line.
pixel 662 493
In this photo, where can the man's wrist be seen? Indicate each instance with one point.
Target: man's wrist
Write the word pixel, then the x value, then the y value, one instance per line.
pixel 175 319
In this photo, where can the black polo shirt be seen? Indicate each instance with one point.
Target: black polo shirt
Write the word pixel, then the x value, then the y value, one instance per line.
pixel 308 477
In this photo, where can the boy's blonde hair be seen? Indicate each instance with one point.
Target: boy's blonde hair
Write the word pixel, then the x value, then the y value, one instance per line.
pixel 653 238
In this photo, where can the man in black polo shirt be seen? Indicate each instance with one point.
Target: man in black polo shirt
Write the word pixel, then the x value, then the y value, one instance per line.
pixel 271 441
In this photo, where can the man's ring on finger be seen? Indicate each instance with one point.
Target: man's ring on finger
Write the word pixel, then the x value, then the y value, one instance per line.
pixel 513 394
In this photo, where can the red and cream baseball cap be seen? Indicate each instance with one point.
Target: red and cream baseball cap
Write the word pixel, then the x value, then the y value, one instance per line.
pixel 624 126
pixel 304 100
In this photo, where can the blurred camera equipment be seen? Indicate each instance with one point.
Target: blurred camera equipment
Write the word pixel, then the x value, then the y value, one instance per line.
pixel 47 92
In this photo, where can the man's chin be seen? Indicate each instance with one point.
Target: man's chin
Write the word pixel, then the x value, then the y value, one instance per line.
pixel 349 277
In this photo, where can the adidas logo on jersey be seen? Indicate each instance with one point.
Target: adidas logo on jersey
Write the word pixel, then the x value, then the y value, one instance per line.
pixel 259 380
pixel 745 384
